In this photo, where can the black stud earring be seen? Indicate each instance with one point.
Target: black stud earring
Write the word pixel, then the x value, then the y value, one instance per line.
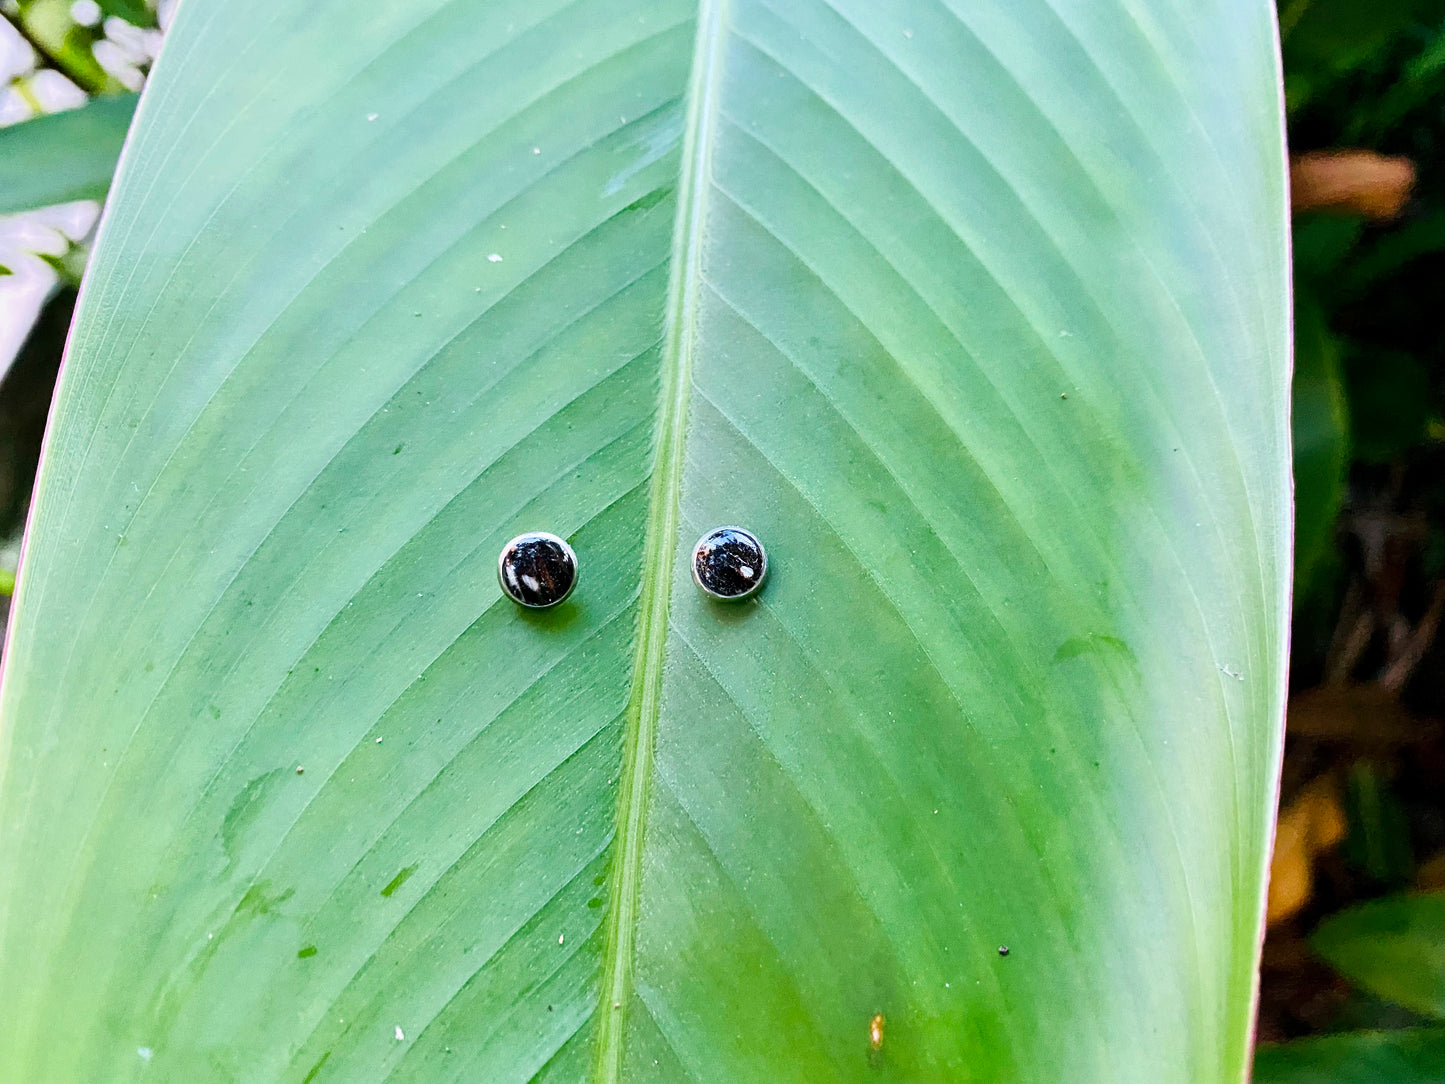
pixel 537 570
pixel 729 563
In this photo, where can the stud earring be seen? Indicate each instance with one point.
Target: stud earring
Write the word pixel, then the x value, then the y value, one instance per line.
pixel 537 570
pixel 729 563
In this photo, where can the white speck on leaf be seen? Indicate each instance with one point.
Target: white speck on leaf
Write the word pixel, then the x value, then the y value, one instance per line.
pixel 494 257
pixel 372 116
pixel 400 1036
pixel 145 1052
pixel 561 937
pixel 536 150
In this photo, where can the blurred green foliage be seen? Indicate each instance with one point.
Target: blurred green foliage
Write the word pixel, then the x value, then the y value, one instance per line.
pixel 1394 948
pixel 52 32
pixel 1369 328
pixel 1404 1056
pixel 63 156
pixel 51 29
pixel 1321 438
pixel 1370 517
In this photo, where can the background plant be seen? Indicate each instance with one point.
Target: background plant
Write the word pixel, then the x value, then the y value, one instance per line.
pixel 1363 814
pixel 1364 788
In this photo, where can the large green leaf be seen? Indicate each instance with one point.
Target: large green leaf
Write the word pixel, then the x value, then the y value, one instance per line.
pixel 975 312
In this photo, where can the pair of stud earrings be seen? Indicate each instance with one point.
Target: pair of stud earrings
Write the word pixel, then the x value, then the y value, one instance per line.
pixel 538 569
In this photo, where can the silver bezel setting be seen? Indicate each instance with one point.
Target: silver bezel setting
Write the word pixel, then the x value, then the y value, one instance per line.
pixel 762 572
pixel 547 536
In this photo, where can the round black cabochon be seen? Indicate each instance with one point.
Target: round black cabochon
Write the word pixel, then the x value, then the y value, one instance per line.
pixel 729 563
pixel 537 569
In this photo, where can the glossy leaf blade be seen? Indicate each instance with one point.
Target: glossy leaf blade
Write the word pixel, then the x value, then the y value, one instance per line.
pixel 975 314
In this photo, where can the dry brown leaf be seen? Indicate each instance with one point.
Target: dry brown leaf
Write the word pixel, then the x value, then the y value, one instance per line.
pixel 1430 877
pixel 1366 715
pixel 1351 182
pixel 1310 825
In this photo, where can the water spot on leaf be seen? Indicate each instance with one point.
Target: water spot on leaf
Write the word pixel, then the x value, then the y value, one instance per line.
pixel 652 199
pixel 245 807
pixel 399 880
pixel 653 139
pixel 259 901
pixel 1096 644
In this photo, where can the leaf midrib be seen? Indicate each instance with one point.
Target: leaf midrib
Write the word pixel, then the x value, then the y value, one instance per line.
pixel 660 546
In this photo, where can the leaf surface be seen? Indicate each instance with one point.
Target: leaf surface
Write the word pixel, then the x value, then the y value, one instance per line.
pixel 976 314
